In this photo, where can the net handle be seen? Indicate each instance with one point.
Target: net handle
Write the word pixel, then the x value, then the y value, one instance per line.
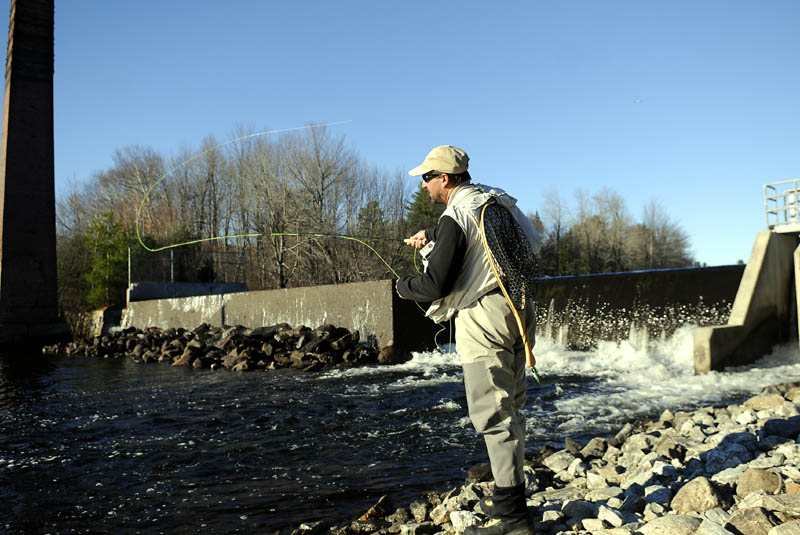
pixel 521 322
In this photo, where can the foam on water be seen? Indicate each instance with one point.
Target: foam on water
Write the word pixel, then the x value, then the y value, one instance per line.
pixel 598 390
pixel 633 381
pixel 427 363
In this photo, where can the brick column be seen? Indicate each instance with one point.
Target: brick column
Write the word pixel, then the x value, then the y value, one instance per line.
pixel 27 191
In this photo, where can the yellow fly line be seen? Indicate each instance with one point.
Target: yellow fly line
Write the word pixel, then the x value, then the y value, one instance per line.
pixel 155 184
pixel 357 239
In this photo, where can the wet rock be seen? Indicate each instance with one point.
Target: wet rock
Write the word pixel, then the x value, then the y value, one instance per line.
pixel 624 433
pixel 380 510
pixel 401 516
pixel 241 366
pixel 479 472
pixel 196 344
pixel 419 510
pixel 137 350
pixel 266 333
pixel 365 526
pixel 393 355
pixel 461 520
pixel 440 514
pixel 262 348
pixel 233 358
pixel 149 356
pixel 282 359
pixel 595 448
pixel 572 446
pixel 418 528
pixel 192 352
pixel 310 528
pixel 345 341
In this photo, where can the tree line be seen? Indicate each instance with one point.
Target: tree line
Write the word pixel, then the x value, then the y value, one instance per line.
pixel 597 234
pixel 278 203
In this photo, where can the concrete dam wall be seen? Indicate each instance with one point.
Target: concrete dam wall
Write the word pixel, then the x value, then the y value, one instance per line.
pixel 577 311
pixel 580 310
pixel 372 308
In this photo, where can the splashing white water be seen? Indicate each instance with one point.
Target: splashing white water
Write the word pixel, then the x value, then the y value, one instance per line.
pixel 599 390
pixel 634 382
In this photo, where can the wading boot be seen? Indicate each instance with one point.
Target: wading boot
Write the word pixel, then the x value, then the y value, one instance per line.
pixel 486 505
pixel 508 514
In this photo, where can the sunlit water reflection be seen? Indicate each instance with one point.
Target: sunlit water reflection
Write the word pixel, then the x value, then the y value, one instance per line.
pixel 94 446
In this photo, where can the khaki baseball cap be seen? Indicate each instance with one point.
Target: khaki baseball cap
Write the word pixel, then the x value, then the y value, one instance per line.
pixel 445 159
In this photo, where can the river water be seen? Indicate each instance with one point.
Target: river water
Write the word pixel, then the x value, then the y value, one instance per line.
pixel 112 446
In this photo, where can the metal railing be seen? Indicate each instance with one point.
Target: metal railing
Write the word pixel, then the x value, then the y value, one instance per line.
pixel 782 205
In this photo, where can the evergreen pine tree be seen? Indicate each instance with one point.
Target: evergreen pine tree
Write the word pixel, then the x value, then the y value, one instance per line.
pixel 108 277
pixel 422 212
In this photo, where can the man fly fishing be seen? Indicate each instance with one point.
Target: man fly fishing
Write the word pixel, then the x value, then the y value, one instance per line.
pixel 479 267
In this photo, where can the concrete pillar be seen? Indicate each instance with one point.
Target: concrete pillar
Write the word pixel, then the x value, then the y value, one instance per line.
pixel 27 191
pixel 762 311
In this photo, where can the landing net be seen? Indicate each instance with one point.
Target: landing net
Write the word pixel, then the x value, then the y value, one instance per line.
pixel 513 262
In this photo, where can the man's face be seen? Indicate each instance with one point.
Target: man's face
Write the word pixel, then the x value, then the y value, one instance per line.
pixel 435 187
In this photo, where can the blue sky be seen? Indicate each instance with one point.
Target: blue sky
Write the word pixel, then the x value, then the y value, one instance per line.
pixel 692 103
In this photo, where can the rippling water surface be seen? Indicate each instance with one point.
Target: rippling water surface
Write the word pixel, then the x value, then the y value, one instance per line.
pixel 100 446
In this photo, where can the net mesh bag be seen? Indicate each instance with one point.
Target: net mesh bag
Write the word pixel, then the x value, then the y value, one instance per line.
pixel 513 261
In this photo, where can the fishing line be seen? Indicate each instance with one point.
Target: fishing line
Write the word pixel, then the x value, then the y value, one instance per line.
pixel 357 239
pixel 198 155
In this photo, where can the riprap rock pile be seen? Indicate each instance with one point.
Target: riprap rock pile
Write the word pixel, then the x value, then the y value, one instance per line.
pixel 732 470
pixel 237 348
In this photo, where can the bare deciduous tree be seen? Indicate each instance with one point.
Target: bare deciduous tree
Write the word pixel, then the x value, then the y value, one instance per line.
pixel 601 236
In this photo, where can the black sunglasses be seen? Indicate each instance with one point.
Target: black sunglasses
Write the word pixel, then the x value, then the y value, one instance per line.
pixel 427 177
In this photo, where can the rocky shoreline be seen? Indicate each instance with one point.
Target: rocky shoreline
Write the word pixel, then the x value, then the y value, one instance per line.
pixel 235 348
pixel 731 470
